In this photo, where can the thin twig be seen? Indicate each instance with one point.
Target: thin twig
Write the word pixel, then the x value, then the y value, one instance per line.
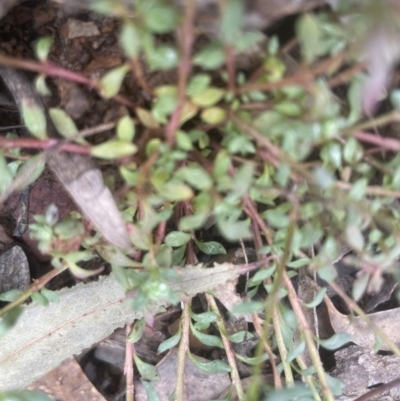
pixel 379 390
pixel 228 349
pixel 182 352
pixel 308 335
pixel 128 367
pixel 33 143
pixel 54 70
pixel 36 286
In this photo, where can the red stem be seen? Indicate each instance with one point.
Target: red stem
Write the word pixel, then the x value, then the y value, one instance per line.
pixel 185 66
pixel 33 143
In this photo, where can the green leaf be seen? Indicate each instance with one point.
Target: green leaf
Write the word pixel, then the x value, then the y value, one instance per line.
pixel 196 176
pixel 125 129
pixel 69 228
pixel 240 336
pixel 178 255
pixel 177 238
pixel 193 222
pixel 51 296
pixel 183 141
pixel 354 96
pixel 163 58
pixel 64 124
pixel 234 230
pixel 198 84
pixel 209 97
pixel 148 372
pixel 295 264
pixel 130 39
pixel 211 57
pixel 212 367
pixel 335 385
pixel 10 295
pixel 295 352
pixel 113 149
pixel 308 33
pixel 111 82
pixel 395 98
pixel 34 119
pixel 148 121
pixel 232 21
pixel 213 115
pixel 262 275
pixel 41 86
pixel 116 257
pixel 175 191
pixel 248 307
pixel 360 286
pixel 354 237
pixel 353 151
pixel 150 391
pixel 317 300
pixel 170 342
pixel 207 339
pixel 9 319
pixel 358 189
pixel 160 17
pixel 211 247
pixel 82 273
pixel 121 275
pixel 331 154
pixel 327 273
pixel 39 298
pixel 29 172
pixel 205 317
pixel 137 331
pixel 6 176
pixel 336 341
pixel 243 179
pixel 164 257
pixel 42 48
pixel 253 361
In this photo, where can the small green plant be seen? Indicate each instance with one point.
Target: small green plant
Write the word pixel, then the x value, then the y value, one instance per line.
pixel 266 154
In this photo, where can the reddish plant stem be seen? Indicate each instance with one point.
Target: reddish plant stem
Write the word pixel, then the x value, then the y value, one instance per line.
pixel 345 75
pixel 33 143
pixel 36 286
pixel 305 76
pixel 252 212
pixel 383 143
pixel 230 66
pixel 379 390
pixel 52 70
pixel 128 367
pixel 161 232
pixel 185 66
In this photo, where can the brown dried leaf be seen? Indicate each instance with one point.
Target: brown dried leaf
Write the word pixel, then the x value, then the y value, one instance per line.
pixel 85 314
pixel 362 334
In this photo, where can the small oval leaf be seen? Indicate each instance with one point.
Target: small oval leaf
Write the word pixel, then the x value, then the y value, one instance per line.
pixel 212 367
pixel 177 238
pixel 148 372
pixel 336 341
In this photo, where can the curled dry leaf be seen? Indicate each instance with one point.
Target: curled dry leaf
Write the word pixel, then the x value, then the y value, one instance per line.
pixel 361 332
